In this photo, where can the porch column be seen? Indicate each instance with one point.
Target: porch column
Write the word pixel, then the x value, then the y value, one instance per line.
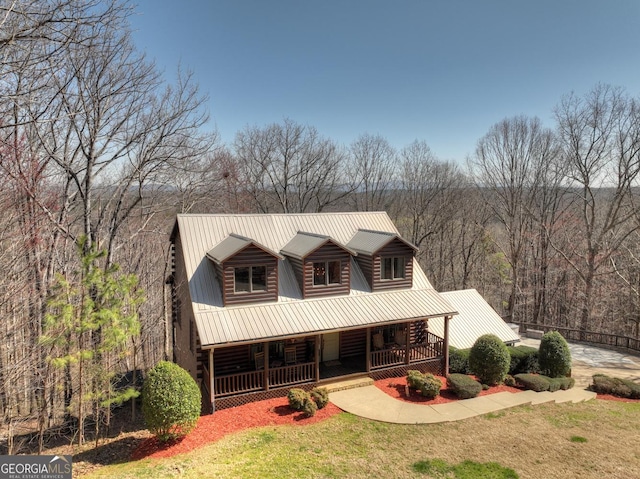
pixel 318 342
pixel 446 345
pixel 407 342
pixel 265 348
pixel 212 382
pixel 368 351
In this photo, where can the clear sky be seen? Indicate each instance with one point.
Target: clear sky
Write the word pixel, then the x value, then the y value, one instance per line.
pixel 443 71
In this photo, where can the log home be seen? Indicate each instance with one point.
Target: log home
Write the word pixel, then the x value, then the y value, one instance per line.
pixel 262 303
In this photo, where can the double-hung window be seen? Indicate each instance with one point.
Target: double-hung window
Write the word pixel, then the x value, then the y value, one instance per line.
pixel 392 267
pixel 326 273
pixel 248 279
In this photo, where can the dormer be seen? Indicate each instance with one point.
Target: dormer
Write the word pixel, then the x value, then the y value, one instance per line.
pixel 322 265
pixel 385 259
pixel 246 270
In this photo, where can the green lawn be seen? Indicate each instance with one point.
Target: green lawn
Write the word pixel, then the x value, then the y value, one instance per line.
pixel 525 442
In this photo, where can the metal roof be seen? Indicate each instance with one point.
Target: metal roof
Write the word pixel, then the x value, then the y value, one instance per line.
pixel 475 318
pixel 370 242
pixel 281 320
pixel 231 245
pixel 303 244
pixel 291 315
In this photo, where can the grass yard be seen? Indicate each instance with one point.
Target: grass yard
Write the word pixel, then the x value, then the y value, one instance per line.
pixel 598 439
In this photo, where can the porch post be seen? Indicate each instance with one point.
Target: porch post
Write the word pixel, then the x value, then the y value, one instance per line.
pixel 265 348
pixel 212 382
pixel 368 351
pixel 407 340
pixel 317 356
pixel 446 345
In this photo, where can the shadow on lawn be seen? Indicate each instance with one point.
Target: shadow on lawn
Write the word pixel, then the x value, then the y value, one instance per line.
pixel 284 411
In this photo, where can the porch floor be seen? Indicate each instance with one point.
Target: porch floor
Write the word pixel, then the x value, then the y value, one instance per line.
pixel 344 367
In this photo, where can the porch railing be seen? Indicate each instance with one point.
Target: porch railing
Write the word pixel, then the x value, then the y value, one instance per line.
pixel 396 355
pixel 254 380
pixel 239 383
pixel 297 373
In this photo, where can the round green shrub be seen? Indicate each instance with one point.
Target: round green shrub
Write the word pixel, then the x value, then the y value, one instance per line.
pixel 309 407
pixel 415 379
pixel 465 387
pixel 489 359
pixel 431 386
pixel 171 401
pixel 297 397
pixel 554 355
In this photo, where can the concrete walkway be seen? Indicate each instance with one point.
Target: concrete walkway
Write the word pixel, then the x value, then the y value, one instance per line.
pixel 370 402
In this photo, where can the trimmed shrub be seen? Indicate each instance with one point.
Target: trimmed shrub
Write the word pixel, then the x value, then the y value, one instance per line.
pixel 428 385
pixel 509 380
pixel 524 359
pixel 459 360
pixel 465 387
pixel 431 386
pixel 320 396
pixel 309 407
pixel 554 355
pixel 489 359
pixel 534 382
pixel 297 397
pixel 562 383
pixel 615 386
pixel 171 401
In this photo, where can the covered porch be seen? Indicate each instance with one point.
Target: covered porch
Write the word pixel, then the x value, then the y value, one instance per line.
pixel 312 359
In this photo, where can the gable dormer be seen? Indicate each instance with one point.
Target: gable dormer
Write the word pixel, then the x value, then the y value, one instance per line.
pixel 322 265
pixel 385 259
pixel 246 270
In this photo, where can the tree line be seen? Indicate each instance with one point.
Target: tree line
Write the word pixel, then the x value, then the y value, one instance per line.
pixel 99 151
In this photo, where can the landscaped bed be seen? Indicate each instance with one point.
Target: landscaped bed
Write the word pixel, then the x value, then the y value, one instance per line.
pixel 277 412
pixel 396 388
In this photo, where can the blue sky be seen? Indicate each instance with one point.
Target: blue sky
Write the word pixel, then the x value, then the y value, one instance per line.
pixel 440 71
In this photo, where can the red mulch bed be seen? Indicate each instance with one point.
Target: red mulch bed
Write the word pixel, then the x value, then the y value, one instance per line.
pixel 210 428
pixel 395 387
pixel 274 412
pixel 609 397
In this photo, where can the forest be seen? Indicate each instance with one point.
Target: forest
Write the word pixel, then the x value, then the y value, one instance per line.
pixel 99 151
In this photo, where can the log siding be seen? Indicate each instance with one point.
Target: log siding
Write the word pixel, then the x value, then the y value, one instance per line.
pixel 250 256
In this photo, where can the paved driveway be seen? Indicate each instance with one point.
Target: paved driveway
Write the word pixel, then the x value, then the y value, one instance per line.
pixel 589 360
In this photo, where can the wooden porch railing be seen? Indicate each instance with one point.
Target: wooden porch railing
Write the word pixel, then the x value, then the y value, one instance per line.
pixel 239 383
pixel 396 355
pixel 577 335
pixel 297 373
pixel 254 380
pixel 388 357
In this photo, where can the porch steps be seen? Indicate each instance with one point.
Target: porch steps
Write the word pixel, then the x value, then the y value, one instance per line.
pixel 351 383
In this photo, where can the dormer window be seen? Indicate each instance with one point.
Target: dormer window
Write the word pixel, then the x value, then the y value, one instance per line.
pixel 248 279
pixel 392 267
pixel 326 272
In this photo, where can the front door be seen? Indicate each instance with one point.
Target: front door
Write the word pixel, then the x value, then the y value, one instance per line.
pixel 330 346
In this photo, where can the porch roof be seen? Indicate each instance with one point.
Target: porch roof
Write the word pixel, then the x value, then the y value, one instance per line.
pixel 287 319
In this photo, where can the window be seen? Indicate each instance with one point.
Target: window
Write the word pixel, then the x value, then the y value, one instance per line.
pixel 392 267
pixel 326 272
pixel 248 279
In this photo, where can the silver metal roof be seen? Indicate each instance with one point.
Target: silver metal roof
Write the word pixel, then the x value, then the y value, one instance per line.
pixel 303 243
pixel 199 234
pixel 281 320
pixel 475 318
pixel 231 245
pixel 370 242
